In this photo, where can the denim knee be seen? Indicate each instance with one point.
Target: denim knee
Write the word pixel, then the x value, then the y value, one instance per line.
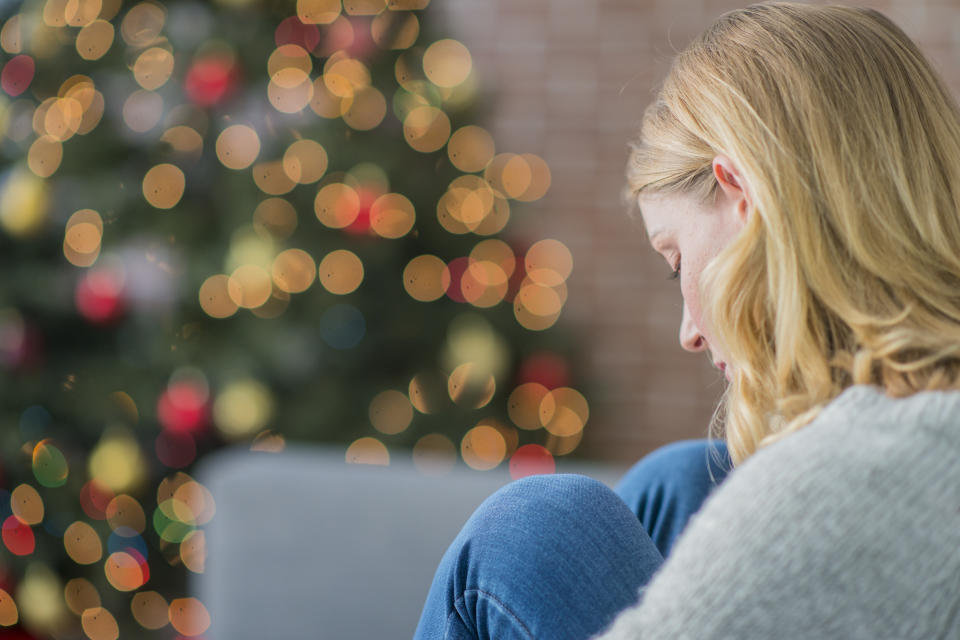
pixel 665 488
pixel 544 544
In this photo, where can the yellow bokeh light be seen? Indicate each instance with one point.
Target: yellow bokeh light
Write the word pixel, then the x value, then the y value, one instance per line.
pixel 470 148
pixel 183 139
pixel 99 624
pixel 325 103
pixel 564 412
pixel 540 178
pixel 193 503
pixel 149 609
pixel 123 571
pixel 44 156
pixel 395 30
pixel 294 271
pixel 523 405
pixel 426 278
pixel 54 13
pixel 426 129
pixel 390 412
pixel 290 90
pixel 549 263
pixel 368 451
pixel 341 272
pixel 243 408
pixel 305 161
pixel 269 442
pixel 495 251
pixel 484 283
pixel 447 63
pixel 318 11
pixel 92 116
pixel 289 56
pixel 82 237
pixel 11 37
pixel 188 616
pixel 82 543
pixel 344 75
pixel 193 551
pixel 537 307
pixel 125 511
pixel 24 203
pixel 483 447
pixel 117 462
pixel 26 504
pixel 367 109
pixel 471 386
pixel 275 217
pixel 163 186
pixel 249 286
pixel 337 205
pixel 271 179
pixel 215 297
pixel 79 13
pixel 434 454
pixel 63 117
pixel 142 24
pixel 8 610
pixel 364 7
pixel 94 40
pixel 563 445
pixel 142 110
pixel 238 146
pixel 408 70
pixel 153 68
pixel 80 595
pixel 427 392
pixel 392 215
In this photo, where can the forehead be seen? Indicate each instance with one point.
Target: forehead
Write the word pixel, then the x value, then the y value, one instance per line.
pixel 659 212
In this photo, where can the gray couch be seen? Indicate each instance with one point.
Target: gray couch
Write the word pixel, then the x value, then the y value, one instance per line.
pixel 304 545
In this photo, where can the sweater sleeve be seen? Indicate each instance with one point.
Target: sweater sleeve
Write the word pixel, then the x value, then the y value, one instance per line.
pixel 846 529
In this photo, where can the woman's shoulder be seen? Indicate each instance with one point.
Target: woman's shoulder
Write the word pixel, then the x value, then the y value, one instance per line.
pixel 819 534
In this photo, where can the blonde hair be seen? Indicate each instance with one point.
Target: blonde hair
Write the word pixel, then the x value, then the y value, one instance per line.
pixel 847 270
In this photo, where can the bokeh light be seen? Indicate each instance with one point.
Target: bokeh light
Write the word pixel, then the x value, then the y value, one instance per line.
pixel 294 271
pixel 243 408
pixel 390 412
pixel 305 161
pixel 26 504
pixel 238 146
pixel 163 186
pixel 82 543
pixel 9 615
pixel 188 616
pixel 392 215
pixel 434 454
pixel 80 595
pixel 150 610
pixel 99 624
pixel 426 278
pixel 447 63
pixel 368 451
pixel 50 466
pixel 483 447
pixel 341 272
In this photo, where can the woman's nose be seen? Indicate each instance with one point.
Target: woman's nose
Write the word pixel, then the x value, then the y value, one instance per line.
pixel 690 337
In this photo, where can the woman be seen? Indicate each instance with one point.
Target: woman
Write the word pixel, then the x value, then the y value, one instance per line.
pixel 800 172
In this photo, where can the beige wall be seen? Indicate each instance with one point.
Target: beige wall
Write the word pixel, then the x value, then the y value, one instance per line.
pixel 568 79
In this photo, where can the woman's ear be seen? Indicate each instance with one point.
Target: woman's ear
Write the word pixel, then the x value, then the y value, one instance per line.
pixel 733 185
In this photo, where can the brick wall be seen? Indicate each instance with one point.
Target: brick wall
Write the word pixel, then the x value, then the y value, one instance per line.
pixel 568 79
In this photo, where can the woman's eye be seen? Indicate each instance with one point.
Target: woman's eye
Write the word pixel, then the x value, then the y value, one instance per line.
pixel 676 272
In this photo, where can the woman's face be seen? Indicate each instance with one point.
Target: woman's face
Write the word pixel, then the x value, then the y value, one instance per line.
pixel 689 234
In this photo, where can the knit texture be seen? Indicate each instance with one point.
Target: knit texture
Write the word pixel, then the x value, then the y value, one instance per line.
pixel 849 528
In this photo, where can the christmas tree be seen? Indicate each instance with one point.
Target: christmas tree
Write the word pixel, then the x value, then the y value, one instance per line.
pixel 250 224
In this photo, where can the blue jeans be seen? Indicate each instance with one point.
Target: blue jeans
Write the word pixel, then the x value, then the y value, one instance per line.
pixel 559 556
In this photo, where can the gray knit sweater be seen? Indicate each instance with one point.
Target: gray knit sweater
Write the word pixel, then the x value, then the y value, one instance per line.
pixel 849 528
